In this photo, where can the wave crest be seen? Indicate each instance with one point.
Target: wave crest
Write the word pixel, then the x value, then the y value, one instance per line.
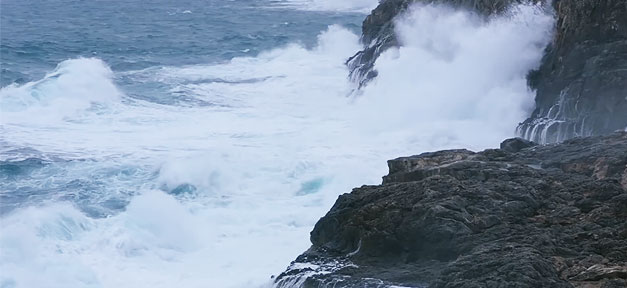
pixel 74 85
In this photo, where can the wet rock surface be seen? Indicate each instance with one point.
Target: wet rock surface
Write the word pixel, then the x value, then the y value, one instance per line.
pixel 533 216
pixel 582 83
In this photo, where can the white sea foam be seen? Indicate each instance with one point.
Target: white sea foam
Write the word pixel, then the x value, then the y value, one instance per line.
pixel 73 86
pixel 267 160
pixel 462 76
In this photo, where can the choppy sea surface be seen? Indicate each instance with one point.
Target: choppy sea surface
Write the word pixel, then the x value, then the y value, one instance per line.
pixel 195 143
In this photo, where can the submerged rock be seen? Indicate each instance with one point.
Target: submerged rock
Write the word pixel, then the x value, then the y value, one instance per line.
pixel 533 216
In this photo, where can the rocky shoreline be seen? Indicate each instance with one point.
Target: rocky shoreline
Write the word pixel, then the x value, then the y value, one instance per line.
pixel 525 215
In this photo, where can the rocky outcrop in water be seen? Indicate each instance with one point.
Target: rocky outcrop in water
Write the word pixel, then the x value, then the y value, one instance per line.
pixel 520 216
pixel 582 83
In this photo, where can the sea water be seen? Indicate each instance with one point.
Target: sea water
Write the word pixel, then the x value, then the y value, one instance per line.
pixel 195 143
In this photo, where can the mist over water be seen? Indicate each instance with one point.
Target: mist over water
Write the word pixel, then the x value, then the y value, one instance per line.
pixel 215 176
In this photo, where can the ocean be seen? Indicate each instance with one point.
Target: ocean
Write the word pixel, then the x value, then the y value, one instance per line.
pixel 195 143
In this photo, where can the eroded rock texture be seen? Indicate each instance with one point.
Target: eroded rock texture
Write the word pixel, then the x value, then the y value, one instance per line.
pixel 521 216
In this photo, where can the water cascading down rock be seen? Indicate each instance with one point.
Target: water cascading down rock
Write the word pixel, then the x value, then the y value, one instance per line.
pixel 582 83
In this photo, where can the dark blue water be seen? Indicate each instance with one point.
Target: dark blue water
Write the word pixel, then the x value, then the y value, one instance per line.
pixel 36 35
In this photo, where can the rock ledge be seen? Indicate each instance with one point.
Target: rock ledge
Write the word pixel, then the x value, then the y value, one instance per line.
pixel 521 216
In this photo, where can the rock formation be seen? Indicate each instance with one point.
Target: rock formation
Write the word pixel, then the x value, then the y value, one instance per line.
pixel 582 83
pixel 521 216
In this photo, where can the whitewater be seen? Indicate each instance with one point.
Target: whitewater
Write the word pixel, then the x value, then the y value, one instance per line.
pixel 212 174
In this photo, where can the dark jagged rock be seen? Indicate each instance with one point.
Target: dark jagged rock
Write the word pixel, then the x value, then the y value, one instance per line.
pixel 538 216
pixel 582 83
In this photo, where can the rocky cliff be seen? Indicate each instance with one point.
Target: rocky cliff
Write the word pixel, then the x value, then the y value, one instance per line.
pixel 520 216
pixel 581 85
